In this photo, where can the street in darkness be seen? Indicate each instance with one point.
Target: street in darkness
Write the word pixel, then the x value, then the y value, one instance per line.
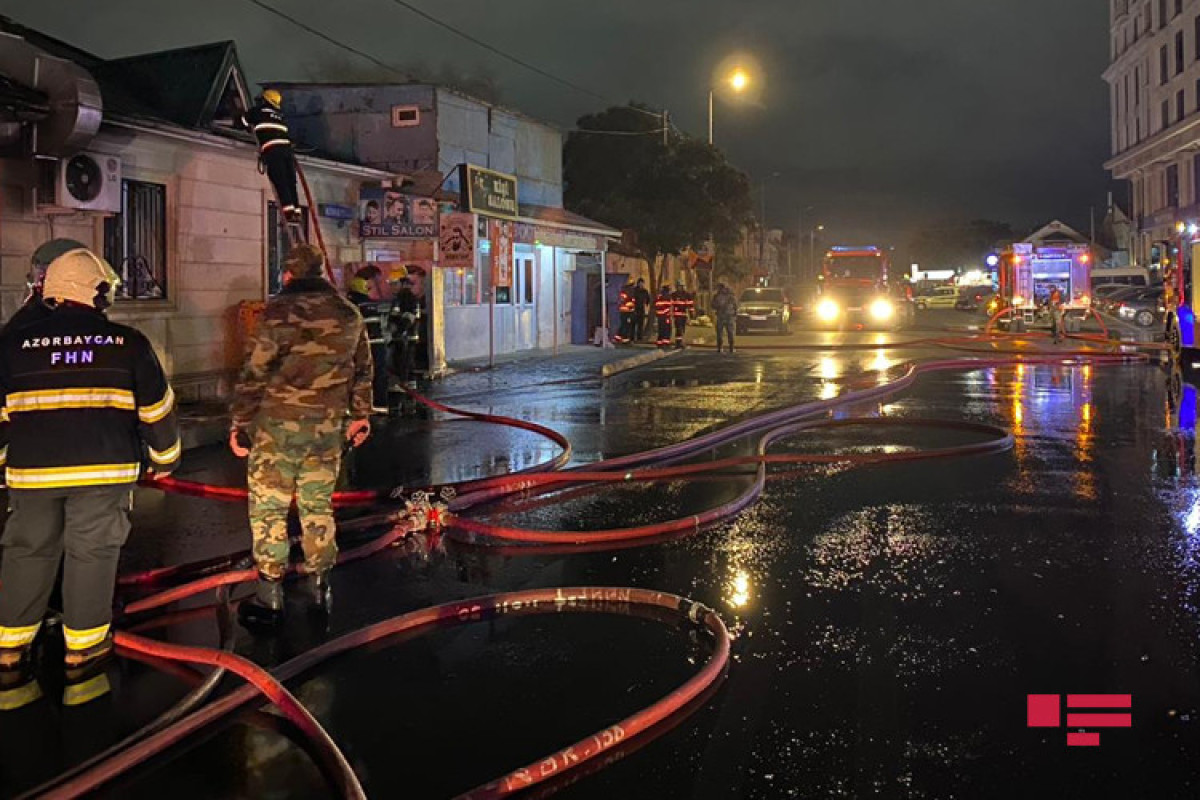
pixel 730 402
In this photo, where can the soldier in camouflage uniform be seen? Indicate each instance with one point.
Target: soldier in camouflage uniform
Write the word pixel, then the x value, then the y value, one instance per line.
pixel 304 392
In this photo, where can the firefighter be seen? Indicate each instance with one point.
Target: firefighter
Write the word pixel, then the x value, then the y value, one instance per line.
pixel 405 322
pixel 664 310
pixel 725 308
pixel 304 391
pixel 275 154
pixel 1055 305
pixel 33 309
pixel 627 308
pixel 683 303
pixel 87 409
pixel 641 311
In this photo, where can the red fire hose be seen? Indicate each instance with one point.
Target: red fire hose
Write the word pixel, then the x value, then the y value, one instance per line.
pixel 533 601
pixel 771 427
pixel 372 496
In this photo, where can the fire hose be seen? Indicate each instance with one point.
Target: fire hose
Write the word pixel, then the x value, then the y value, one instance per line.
pixel 773 427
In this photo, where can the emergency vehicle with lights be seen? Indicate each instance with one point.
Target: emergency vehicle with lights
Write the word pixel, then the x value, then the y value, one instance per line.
pixel 854 291
pixel 1181 297
pixel 1027 274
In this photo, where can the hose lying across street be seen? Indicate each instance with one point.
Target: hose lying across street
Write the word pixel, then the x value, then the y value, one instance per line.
pixel 419 514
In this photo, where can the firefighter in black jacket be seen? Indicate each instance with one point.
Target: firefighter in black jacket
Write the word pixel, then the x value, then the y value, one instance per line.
pixel 33 309
pixel 275 152
pixel 627 308
pixel 86 409
pixel 683 303
pixel 664 310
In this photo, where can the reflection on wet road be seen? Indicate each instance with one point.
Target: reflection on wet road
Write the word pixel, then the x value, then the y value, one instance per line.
pixel 890 621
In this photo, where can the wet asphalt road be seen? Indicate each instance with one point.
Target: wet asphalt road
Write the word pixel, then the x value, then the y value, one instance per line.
pixel 890 621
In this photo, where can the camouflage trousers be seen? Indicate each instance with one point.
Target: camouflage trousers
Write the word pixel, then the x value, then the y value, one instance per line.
pixel 301 461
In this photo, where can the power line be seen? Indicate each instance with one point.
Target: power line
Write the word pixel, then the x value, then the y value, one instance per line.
pixel 330 39
pixel 508 57
pixel 490 48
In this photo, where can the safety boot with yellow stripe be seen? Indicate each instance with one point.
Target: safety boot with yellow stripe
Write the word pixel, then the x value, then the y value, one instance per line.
pixel 84 653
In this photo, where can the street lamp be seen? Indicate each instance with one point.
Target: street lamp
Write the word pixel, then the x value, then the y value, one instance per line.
pixel 812 248
pixel 739 81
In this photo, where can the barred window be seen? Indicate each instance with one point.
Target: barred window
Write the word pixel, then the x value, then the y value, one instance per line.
pixel 135 241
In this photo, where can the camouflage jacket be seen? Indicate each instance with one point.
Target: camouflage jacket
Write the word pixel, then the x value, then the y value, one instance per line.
pixel 310 359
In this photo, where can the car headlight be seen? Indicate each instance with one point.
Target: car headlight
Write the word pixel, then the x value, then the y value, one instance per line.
pixel 882 309
pixel 827 310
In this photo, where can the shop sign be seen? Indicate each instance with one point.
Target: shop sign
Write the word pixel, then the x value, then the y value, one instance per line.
pixel 458 239
pixel 389 214
pixel 486 192
pixel 500 234
pixel 336 211
pixel 529 233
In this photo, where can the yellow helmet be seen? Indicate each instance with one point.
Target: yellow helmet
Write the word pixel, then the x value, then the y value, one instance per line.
pixel 81 276
pixel 273 97
pixel 360 286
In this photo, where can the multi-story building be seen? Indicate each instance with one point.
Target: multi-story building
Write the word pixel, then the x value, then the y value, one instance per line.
pixel 1154 80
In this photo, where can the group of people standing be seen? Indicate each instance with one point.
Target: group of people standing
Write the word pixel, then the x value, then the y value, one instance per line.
pixel 86 411
pixel 672 310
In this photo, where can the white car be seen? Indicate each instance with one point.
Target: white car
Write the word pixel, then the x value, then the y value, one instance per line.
pixel 941 297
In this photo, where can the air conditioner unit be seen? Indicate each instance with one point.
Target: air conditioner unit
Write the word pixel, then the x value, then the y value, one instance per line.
pixel 81 182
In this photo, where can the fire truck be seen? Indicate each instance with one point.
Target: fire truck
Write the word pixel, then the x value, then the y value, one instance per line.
pixel 1180 298
pixel 854 291
pixel 1028 273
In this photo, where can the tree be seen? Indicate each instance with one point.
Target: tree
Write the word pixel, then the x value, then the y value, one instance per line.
pixel 674 194
pixel 951 246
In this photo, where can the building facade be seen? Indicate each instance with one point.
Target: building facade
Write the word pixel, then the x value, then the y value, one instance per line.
pixel 421 134
pixel 1154 84
pixel 184 215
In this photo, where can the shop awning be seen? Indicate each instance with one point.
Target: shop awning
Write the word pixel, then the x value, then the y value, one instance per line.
pixel 546 220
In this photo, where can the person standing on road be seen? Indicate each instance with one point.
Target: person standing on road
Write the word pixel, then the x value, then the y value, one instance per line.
pixel 683 303
pixel 1055 302
pixel 626 307
pixel 725 307
pixel 304 392
pixel 642 302
pixel 86 409
pixel 664 312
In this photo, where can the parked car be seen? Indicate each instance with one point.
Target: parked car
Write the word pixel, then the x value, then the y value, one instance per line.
pixel 1104 291
pixel 940 297
pixel 973 298
pixel 1144 309
pixel 764 309
pixel 1110 302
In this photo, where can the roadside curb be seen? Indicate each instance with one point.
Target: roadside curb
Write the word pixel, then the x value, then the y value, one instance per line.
pixel 633 362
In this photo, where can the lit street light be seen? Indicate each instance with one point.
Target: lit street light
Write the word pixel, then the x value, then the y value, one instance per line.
pixel 738 81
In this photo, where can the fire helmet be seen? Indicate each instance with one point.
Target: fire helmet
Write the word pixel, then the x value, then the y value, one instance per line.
pixel 360 286
pixel 81 276
pixel 273 97
pixel 47 252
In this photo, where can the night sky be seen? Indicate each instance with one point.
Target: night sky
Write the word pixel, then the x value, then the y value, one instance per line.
pixel 881 115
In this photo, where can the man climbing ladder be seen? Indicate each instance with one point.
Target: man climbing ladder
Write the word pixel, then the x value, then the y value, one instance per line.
pixel 276 156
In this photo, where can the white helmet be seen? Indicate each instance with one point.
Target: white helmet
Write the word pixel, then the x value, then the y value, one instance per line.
pixel 81 276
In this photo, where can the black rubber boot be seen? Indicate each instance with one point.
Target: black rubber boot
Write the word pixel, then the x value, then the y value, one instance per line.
pixel 264 610
pixel 320 596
